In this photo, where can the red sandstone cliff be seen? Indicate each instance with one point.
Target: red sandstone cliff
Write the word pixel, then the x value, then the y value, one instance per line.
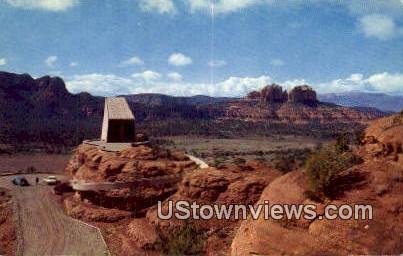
pixel 377 181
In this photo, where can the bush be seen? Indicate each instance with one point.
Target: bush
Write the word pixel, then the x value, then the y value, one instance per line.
pixel 323 165
pixel 288 160
pixel 284 163
pixel 342 142
pixel 186 240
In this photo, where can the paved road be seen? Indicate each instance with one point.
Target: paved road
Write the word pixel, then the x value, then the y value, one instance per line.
pixel 45 229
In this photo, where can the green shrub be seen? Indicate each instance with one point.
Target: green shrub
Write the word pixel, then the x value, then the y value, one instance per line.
pixel 291 159
pixel 186 240
pixel 342 143
pixel 284 163
pixel 323 165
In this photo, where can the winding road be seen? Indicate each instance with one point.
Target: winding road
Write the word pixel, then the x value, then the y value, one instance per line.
pixel 44 229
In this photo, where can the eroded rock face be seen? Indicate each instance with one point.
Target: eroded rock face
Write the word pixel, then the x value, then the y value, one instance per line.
pixel 299 106
pixel 303 94
pixel 377 182
pixel 274 93
pixel 145 231
pixel 269 94
pixel 231 185
pixel 384 138
pixel 90 164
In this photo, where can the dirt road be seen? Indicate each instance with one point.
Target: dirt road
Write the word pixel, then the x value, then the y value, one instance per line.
pixel 45 229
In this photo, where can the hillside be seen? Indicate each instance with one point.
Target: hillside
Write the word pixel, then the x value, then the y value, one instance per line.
pixel 376 181
pixel 43 112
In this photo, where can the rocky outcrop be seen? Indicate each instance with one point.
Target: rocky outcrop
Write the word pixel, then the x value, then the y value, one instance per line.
pixel 273 93
pixel 303 94
pixel 299 106
pixel 145 231
pixel 230 185
pixel 152 164
pixel 384 138
pixel 296 114
pixel 269 94
pixel 377 181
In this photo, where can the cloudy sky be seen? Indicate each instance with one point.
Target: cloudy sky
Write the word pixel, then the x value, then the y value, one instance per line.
pixel 211 47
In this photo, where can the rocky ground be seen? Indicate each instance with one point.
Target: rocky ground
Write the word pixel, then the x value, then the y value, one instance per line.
pixel 377 181
pixel 7 226
pixel 130 225
pixel 133 228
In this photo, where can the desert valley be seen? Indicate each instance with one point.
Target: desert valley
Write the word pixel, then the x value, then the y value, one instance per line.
pixel 201 127
pixel 270 145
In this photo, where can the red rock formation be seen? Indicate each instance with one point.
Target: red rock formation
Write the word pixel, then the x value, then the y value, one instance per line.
pixel 377 182
pixel 273 93
pixel 233 184
pixel 303 94
pixel 90 164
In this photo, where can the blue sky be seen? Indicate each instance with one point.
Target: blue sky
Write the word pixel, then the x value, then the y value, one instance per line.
pixel 212 47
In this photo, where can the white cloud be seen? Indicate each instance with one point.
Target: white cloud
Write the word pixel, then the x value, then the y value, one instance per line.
pixel 277 62
pixel 153 82
pixel 385 82
pixel 159 6
pixel 147 76
pixel 3 61
pixel 381 82
pixel 51 61
pixel 179 59
pixel 174 76
pixel 73 64
pixel 49 5
pixel 239 86
pixel 100 84
pixel 379 26
pixel 217 63
pixel 132 61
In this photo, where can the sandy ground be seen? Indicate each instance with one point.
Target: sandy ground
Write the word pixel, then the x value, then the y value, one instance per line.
pixel 45 228
pixel 46 163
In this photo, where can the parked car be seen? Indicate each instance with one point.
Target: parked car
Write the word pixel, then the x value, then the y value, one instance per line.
pixel 20 181
pixel 51 180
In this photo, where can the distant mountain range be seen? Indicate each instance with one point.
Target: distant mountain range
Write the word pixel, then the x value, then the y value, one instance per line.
pixel 380 101
pixel 42 110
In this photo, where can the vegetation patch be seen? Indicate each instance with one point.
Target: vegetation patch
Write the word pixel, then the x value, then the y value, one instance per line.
pixel 323 166
pixel 185 240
